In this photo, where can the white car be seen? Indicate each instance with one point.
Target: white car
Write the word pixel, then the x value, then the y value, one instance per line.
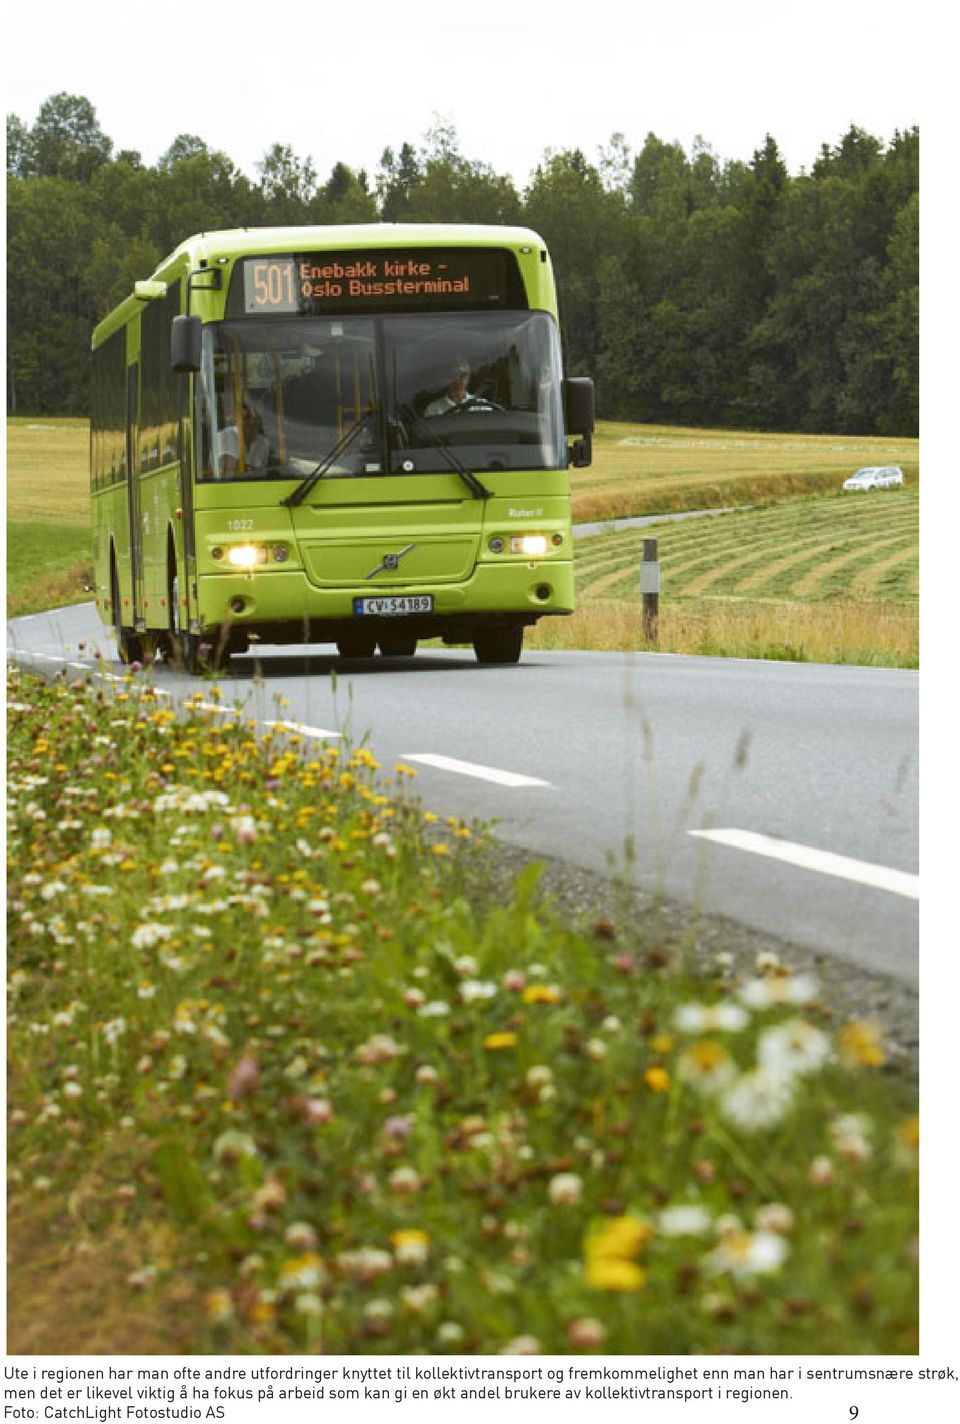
pixel 873 477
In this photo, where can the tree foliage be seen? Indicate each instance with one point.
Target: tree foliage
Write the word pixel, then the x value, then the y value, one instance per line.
pixel 693 290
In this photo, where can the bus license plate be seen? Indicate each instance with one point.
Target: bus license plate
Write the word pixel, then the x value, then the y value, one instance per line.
pixel 393 606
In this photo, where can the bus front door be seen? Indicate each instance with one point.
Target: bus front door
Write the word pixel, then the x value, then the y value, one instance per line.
pixel 134 520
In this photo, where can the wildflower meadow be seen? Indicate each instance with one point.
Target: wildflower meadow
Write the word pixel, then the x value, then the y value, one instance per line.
pixel 281 1082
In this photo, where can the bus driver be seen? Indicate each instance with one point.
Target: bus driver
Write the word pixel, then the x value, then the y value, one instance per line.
pixel 457 395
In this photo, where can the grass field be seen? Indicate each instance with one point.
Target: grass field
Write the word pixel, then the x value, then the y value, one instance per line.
pixel 282 1082
pixel 828 578
pixel 48 565
pixel 836 545
pixel 806 572
pixel 654 469
pixel 47 471
pixel 48 514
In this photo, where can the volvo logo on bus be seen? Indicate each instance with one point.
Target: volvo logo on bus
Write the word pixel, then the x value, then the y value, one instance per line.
pixel 390 562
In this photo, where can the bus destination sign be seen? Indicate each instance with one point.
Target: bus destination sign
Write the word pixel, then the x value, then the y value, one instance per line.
pixel 427 279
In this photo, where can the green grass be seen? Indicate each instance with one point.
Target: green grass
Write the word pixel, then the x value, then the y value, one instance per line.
pixel 282 1082
pixel 49 561
pixel 48 565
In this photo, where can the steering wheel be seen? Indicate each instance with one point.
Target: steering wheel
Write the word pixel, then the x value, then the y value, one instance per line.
pixel 484 402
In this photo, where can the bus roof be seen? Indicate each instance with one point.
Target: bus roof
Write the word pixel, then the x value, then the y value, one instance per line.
pixel 228 244
pixel 245 241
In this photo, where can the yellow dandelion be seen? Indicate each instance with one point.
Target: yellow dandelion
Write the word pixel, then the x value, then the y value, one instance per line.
pixel 494 1041
pixel 541 994
pixel 441 848
pixel 613 1274
pixel 861 1045
pixel 620 1236
pixel 657 1080
pixel 410 1236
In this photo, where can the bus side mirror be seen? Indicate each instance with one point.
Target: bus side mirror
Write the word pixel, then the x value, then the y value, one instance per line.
pixel 579 410
pixel 185 340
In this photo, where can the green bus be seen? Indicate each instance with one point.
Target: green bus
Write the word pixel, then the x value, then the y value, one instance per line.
pixel 357 435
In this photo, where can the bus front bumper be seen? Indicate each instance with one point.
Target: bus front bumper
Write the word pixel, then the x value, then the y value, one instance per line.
pixel 284 606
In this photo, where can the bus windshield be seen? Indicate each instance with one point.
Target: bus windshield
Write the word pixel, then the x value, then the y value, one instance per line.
pixel 394 395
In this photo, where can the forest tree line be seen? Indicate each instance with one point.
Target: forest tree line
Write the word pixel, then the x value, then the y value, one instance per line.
pixel 694 290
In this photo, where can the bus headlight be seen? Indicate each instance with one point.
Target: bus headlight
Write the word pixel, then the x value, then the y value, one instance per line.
pixel 533 545
pixel 246 556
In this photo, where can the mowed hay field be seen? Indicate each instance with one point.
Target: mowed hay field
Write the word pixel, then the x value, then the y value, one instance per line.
pixel 804 572
pixel 830 578
pixel 800 570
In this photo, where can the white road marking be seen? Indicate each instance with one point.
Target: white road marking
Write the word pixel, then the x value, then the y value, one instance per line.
pixel 880 877
pixel 469 768
pixel 303 731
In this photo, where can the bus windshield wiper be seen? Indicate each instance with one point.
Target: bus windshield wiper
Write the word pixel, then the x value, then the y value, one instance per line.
pixel 306 485
pixel 477 487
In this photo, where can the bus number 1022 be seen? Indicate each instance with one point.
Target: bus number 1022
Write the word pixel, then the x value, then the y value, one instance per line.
pixel 273 284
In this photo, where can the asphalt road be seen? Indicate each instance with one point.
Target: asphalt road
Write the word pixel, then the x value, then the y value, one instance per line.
pixel 783 796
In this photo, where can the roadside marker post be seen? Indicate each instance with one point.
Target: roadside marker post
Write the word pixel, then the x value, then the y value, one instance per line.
pixel 650 590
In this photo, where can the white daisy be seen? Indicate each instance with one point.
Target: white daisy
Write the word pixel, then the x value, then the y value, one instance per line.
pixel 792 1048
pixel 704 1018
pixel 757 1099
pixel 776 989
pixel 683 1220
pixel 745 1253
